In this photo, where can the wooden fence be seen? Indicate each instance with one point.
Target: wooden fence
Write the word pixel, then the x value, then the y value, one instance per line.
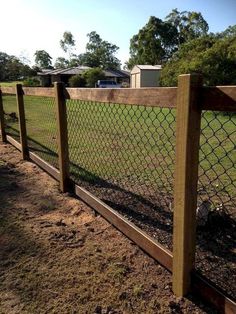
pixel 189 98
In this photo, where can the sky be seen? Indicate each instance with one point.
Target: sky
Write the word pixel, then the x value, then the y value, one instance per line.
pixel 30 25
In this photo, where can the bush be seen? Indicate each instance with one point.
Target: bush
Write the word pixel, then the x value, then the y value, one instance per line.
pixel 92 76
pixel 77 81
pixel 31 81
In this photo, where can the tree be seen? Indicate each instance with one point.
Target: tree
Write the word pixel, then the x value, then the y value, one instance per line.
pixel 158 40
pixel 11 68
pixel 153 44
pixel 189 25
pixel 61 63
pixel 214 56
pixel 99 53
pixel 43 59
pixel 92 76
pixel 67 43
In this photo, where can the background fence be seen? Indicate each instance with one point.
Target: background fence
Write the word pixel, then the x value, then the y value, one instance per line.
pixel 120 145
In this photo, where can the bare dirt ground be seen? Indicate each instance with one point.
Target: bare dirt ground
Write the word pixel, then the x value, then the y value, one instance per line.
pixel 58 256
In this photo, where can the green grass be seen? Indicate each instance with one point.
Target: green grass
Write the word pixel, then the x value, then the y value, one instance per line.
pixel 9 84
pixel 131 144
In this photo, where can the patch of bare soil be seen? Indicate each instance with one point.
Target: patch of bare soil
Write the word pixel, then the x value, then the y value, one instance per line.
pixel 58 256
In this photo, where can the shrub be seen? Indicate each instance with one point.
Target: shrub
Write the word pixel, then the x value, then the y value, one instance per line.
pixel 92 76
pixel 77 81
pixel 31 81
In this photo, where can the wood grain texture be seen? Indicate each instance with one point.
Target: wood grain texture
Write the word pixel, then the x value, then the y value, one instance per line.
pixel 219 98
pixel 8 90
pixel 211 294
pixel 45 166
pixel 39 91
pixel 158 96
pixel 62 137
pixel 148 244
pixel 2 120
pixel 22 122
pixel 13 142
pixel 185 183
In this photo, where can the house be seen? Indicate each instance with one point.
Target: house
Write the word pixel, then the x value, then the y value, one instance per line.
pixel 119 76
pixel 145 76
pixel 48 77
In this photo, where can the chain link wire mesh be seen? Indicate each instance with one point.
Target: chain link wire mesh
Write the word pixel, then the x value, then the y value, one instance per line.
pixel 40 114
pixel 124 154
pixel 216 212
pixel 11 116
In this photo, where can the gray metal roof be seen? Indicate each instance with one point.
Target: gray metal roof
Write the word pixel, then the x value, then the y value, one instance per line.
pixel 80 69
pixel 148 67
pixel 116 73
pixel 68 71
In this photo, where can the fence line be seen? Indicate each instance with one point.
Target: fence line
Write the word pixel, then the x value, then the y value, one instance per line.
pixel 190 98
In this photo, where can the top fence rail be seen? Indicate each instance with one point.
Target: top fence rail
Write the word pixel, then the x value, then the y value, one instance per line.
pixel 218 98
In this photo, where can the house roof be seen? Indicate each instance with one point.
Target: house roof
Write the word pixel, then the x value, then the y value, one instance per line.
pixel 116 73
pixel 68 71
pixel 80 69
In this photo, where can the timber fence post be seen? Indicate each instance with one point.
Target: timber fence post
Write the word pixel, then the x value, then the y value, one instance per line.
pixel 2 121
pixel 62 137
pixel 186 178
pixel 22 123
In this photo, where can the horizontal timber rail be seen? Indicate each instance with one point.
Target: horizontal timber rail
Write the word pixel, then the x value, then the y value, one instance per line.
pixel 8 90
pixel 39 91
pixel 158 96
pixel 218 98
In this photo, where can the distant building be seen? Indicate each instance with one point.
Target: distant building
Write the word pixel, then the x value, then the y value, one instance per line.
pixel 145 76
pixel 48 77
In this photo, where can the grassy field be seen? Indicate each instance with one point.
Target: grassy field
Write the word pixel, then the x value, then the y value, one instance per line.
pixel 9 84
pixel 133 145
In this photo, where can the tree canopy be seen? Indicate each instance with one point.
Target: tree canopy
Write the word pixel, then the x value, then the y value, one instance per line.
pixel 11 68
pixel 158 40
pixel 99 53
pixel 189 25
pixel 214 56
pixel 67 43
pixel 42 59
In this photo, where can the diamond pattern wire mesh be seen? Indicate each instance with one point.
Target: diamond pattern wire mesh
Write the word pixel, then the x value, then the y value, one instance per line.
pixel 11 116
pixel 41 127
pixel 216 216
pixel 124 155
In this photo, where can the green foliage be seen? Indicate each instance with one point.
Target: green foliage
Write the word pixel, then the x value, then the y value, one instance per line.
pixel 68 42
pixel 92 76
pixel 99 53
pixel 42 59
pixel 31 81
pixel 189 25
pixel 213 56
pixel 158 40
pixel 61 63
pixel 153 43
pixel 11 68
pixel 77 81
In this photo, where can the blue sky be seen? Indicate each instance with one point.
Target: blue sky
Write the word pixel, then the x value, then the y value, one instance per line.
pixel 30 25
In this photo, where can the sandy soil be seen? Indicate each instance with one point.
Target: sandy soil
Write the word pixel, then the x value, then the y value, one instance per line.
pixel 58 256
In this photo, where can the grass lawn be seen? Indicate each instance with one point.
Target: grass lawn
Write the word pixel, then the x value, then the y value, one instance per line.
pixel 133 145
pixel 9 84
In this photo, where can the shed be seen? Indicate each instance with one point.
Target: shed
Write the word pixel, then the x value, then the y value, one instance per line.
pixel 145 76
